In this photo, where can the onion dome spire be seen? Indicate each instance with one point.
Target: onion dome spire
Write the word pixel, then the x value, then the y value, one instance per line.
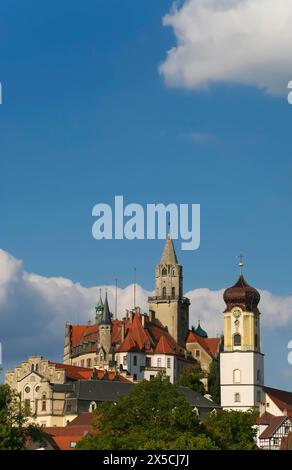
pixel 200 332
pixel 99 305
pixel 241 294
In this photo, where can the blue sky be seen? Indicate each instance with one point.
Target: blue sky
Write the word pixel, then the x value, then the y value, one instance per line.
pixel 86 115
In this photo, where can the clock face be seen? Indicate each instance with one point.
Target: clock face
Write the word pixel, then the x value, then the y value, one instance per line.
pixel 236 313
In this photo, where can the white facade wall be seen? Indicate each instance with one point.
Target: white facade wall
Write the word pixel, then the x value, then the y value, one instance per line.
pixel 242 375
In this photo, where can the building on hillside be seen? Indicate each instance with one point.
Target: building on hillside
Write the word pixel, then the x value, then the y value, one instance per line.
pixel 63 438
pixel 271 430
pixel 275 420
pixel 142 345
pixel 203 349
pixel 43 386
pixel 241 362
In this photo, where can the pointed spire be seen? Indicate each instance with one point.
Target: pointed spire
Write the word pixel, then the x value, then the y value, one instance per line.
pixel 169 255
pixel 106 318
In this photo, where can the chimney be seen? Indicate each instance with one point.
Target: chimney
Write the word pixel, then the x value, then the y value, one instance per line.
pixel 262 407
pixel 123 332
pixel 89 322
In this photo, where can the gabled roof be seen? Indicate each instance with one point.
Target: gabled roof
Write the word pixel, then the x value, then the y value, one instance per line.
pixel 84 419
pixel 265 418
pixel 64 436
pixel 164 346
pixel 281 398
pixel 274 425
pixel 210 345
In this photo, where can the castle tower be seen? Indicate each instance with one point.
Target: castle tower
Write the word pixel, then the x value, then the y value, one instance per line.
pixel 105 330
pixel 241 363
pixel 168 304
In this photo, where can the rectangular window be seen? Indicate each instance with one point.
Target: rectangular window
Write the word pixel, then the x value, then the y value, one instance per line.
pixel 88 362
pixel 135 377
pixel 44 405
pixel 125 360
pixel 148 361
pixel 135 360
pixel 159 362
pixel 152 377
pixel 82 363
pixel 237 397
pixel 276 441
pixel 286 429
pixel 27 406
pixel 168 363
pixel 198 353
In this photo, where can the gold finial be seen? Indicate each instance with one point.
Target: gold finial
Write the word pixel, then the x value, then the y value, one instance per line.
pixel 241 263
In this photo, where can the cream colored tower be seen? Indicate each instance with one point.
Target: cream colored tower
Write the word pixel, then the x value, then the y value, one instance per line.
pixel 241 363
pixel 168 304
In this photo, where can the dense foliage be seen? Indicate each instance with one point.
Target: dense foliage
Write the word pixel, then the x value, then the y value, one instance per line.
pixel 155 416
pixel 214 381
pixel 191 377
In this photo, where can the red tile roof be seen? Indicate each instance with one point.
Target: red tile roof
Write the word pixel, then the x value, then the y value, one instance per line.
pixel 265 418
pixel 74 372
pixel 163 346
pixel 274 425
pixel 64 436
pixel 210 345
pixel 84 419
pixel 150 338
pixel 281 398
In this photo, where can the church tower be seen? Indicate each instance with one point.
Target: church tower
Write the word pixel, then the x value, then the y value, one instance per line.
pixel 168 304
pixel 105 334
pixel 241 363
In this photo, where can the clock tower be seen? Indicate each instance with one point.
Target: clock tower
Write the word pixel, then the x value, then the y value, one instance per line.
pixel 241 362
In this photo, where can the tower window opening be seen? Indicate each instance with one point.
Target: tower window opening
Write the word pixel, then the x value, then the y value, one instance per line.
pixel 237 340
pixel 164 292
pixel 237 398
pixel 164 272
pixel 236 376
pixel 173 292
pixel 256 341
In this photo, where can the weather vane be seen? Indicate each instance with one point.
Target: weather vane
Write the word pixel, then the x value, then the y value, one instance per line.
pixel 241 263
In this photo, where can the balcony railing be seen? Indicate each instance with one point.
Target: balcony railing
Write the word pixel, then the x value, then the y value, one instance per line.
pixel 167 298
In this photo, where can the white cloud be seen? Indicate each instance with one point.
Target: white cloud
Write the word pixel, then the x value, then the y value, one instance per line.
pixel 242 41
pixel 34 309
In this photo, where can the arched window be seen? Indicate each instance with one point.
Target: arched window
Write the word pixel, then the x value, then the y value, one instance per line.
pixel 164 272
pixel 88 362
pixel 237 397
pixel 163 291
pixel 173 292
pixel 92 406
pixel 236 376
pixel 237 340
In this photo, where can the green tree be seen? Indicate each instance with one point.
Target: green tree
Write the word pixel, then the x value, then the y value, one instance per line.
pixel 232 430
pixel 191 377
pixel 214 381
pixel 12 419
pixel 14 429
pixel 153 415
